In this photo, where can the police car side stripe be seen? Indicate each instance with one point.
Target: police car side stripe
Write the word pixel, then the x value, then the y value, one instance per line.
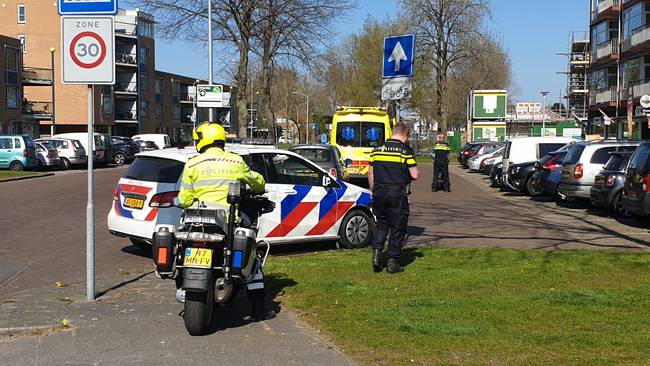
pixel 293 219
pixel 329 201
pixel 290 202
pixel 340 209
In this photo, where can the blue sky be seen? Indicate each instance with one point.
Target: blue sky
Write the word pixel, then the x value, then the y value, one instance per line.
pixel 531 31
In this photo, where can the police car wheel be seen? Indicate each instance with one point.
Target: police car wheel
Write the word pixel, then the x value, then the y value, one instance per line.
pixel 356 230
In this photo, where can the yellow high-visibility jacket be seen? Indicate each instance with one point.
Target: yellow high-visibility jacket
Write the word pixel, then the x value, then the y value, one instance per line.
pixel 206 177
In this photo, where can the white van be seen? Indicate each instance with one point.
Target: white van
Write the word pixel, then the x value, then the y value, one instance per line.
pixel 161 140
pixel 99 144
pixel 529 149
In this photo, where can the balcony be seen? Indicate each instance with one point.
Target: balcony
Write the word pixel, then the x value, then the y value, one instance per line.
pixel 639 36
pixel 126 88
pixel 126 30
pixel 125 117
pixel 606 96
pixel 37 110
pixel 608 49
pixel 639 88
pixel 126 59
pixel 35 76
pixel 606 8
pixel 187 97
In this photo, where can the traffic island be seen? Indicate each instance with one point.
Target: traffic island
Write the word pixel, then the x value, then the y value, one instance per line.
pixel 8 176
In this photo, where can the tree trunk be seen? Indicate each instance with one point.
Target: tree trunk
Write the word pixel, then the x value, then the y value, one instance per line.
pixel 242 88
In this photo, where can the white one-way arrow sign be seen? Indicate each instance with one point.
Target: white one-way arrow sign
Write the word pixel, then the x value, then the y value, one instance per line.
pixel 397 56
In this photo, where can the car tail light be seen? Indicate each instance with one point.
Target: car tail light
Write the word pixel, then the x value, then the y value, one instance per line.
pixel 480 166
pixel 610 180
pixel 333 172
pixel 466 152
pixel 551 165
pixel 26 153
pixel 74 147
pixel 164 199
pixel 578 171
pixel 116 195
pixel 646 183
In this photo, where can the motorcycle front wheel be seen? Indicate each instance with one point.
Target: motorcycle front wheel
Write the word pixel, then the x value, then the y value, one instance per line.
pixel 198 310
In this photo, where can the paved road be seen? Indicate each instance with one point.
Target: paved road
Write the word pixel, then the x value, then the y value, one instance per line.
pixel 476 215
pixel 44 232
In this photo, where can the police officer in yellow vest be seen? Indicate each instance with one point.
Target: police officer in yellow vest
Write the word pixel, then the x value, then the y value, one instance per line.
pixel 206 178
pixel 441 163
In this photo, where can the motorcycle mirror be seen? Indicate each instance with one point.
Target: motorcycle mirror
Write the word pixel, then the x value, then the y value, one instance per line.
pixel 176 202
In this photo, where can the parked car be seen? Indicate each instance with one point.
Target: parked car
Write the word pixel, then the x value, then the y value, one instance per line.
pixel 17 152
pixel 520 178
pixel 99 145
pixel 496 175
pixel 327 157
pixel 124 149
pixel 607 191
pixel 636 191
pixel 146 145
pixel 48 157
pixel 161 139
pixel 473 149
pixel 71 152
pixel 310 205
pixel 285 140
pixel 583 161
pixel 528 150
pixel 548 171
pixel 476 161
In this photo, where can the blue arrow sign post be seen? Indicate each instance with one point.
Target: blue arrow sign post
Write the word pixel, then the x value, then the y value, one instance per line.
pixel 399 52
pixel 88 7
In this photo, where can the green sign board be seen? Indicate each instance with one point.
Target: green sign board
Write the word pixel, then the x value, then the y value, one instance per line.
pixel 489 104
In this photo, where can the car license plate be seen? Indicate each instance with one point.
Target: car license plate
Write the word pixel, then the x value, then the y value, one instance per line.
pixel 198 258
pixel 631 194
pixel 134 203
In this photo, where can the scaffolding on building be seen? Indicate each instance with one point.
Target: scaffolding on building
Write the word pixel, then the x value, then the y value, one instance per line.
pixel 577 91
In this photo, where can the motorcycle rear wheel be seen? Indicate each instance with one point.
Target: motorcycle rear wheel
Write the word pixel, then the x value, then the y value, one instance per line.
pixel 198 310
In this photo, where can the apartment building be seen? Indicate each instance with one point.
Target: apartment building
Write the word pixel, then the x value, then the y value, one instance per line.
pixel 10 86
pixel 619 70
pixel 135 104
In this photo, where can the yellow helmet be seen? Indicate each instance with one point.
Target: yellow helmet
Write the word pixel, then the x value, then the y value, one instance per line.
pixel 208 133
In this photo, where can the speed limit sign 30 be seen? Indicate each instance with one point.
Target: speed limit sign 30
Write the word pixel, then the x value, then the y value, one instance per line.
pixel 88 50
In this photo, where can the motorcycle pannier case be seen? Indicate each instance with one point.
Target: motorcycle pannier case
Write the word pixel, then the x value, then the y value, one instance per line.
pixel 243 256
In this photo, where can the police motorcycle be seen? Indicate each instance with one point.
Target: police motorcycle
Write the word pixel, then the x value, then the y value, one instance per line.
pixel 211 256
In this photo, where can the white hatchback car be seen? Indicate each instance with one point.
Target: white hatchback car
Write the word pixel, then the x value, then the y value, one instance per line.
pixel 310 205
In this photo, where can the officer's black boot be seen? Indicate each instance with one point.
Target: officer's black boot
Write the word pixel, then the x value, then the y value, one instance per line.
pixel 393 266
pixel 376 260
pixel 260 311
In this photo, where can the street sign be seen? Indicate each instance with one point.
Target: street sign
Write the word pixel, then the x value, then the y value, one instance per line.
pixel 645 101
pixel 88 7
pixel 209 96
pixel 88 50
pixel 396 88
pixel 488 104
pixel 399 52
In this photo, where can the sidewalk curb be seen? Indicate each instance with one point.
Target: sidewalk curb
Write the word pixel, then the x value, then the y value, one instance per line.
pixel 24 178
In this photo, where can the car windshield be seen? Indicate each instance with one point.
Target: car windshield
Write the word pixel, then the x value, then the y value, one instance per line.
pixel 574 154
pixel 617 162
pixel 155 170
pixel 360 134
pixel 315 155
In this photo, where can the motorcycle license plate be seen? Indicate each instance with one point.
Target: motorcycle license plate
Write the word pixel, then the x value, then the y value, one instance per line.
pixel 134 203
pixel 198 258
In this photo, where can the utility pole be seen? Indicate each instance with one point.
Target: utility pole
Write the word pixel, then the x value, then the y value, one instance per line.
pixel 544 94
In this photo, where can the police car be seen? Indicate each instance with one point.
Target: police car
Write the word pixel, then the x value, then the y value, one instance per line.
pixel 310 204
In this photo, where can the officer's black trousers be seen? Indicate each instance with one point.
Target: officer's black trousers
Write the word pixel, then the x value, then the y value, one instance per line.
pixel 392 212
pixel 441 168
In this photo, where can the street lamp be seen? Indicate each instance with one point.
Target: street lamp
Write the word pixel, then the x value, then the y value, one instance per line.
pixel 544 94
pixel 306 129
pixel 53 132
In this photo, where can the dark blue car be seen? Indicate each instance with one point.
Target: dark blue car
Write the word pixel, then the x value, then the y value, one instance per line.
pixel 548 172
pixel 608 188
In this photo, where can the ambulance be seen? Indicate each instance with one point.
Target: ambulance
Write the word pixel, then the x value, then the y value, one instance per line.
pixel 356 131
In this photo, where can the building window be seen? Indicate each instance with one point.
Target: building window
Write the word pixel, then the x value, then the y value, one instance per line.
pixel 144 108
pixel 21 13
pixel 23 42
pixel 107 100
pixel 144 81
pixel 143 57
pixel 633 19
pixel 159 90
pixel 145 29
pixel 12 62
pixel 160 111
pixel 631 71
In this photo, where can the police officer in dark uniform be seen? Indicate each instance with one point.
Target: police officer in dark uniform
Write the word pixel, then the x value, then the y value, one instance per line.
pixel 441 163
pixel 392 168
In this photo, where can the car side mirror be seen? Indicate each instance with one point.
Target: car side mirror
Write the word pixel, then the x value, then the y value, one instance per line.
pixel 347 162
pixel 327 181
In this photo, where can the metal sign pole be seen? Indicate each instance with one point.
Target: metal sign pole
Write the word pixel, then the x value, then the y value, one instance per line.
pixel 90 209
pixel 210 110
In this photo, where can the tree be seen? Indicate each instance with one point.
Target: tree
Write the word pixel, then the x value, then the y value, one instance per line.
pixel 446 34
